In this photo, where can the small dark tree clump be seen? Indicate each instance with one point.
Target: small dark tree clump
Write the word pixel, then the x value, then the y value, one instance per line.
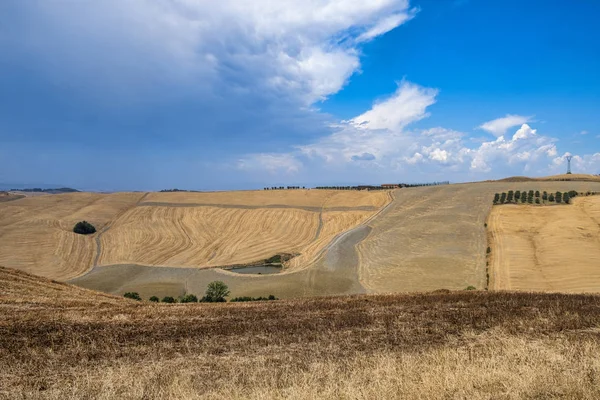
pixel 551 198
pixel 189 298
pixel 154 299
pixel 558 197
pixel 133 296
pixel 566 198
pixel 503 197
pixel 168 299
pixel 510 195
pixel 496 198
pixel 84 228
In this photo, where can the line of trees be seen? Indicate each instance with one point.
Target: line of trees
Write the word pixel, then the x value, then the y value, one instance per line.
pixel 408 185
pixel 284 188
pixel 381 187
pixel 530 197
pixel 216 292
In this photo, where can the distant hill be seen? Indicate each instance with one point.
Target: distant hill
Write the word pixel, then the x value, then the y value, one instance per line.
pixel 51 190
pixel 562 177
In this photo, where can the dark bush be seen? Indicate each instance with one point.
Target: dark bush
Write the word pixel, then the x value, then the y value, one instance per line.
pixel 168 299
pixel 84 228
pixel 470 288
pixel 189 298
pixel 248 298
pixel 133 296
pixel 154 299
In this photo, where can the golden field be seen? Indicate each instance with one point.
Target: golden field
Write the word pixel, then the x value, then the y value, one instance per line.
pixel 434 237
pixel 36 233
pixel 546 248
pixel 175 229
pixel 59 341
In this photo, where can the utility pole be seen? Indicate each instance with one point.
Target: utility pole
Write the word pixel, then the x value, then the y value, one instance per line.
pixel 569 158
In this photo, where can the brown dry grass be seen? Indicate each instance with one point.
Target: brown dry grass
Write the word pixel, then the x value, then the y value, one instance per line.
pixel 554 248
pixel 476 345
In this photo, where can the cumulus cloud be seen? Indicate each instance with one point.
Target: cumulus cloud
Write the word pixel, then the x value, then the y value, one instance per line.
pixel 382 136
pixel 499 126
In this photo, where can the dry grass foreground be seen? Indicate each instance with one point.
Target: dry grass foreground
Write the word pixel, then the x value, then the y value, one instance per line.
pixel 434 237
pixel 455 345
pixel 175 229
pixel 554 248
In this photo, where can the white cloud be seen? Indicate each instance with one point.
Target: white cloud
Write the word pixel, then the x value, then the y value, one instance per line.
pixel 272 163
pixel 404 107
pixel 583 132
pixel 387 24
pixel 499 126
pixel 380 136
pixel 303 49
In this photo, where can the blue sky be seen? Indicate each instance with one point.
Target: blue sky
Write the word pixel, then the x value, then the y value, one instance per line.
pixel 138 94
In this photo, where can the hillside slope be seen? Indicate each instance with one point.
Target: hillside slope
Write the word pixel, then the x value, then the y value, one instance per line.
pixel 23 292
pixel 475 345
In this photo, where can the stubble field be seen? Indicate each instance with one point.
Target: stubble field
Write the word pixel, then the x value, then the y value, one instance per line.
pixel 176 229
pixel 434 237
pixel 546 248
pixel 58 342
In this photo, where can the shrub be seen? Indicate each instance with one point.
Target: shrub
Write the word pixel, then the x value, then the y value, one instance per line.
pixel 154 299
pixel 518 195
pixel 489 250
pixel 510 195
pixel 470 288
pixel 133 296
pixel 545 196
pixel 189 298
pixel 537 201
pixel 216 292
pixel 523 197
pixel 551 197
pixel 84 228
pixel 503 197
pixel 168 299
pixel 566 198
pixel 496 198
pixel 558 197
pixel 248 298
pixel 537 193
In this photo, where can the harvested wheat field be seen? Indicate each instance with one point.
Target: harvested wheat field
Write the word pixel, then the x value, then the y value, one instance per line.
pixel 434 237
pixel 176 229
pixel 546 248
pixel 36 233
pixel 57 342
